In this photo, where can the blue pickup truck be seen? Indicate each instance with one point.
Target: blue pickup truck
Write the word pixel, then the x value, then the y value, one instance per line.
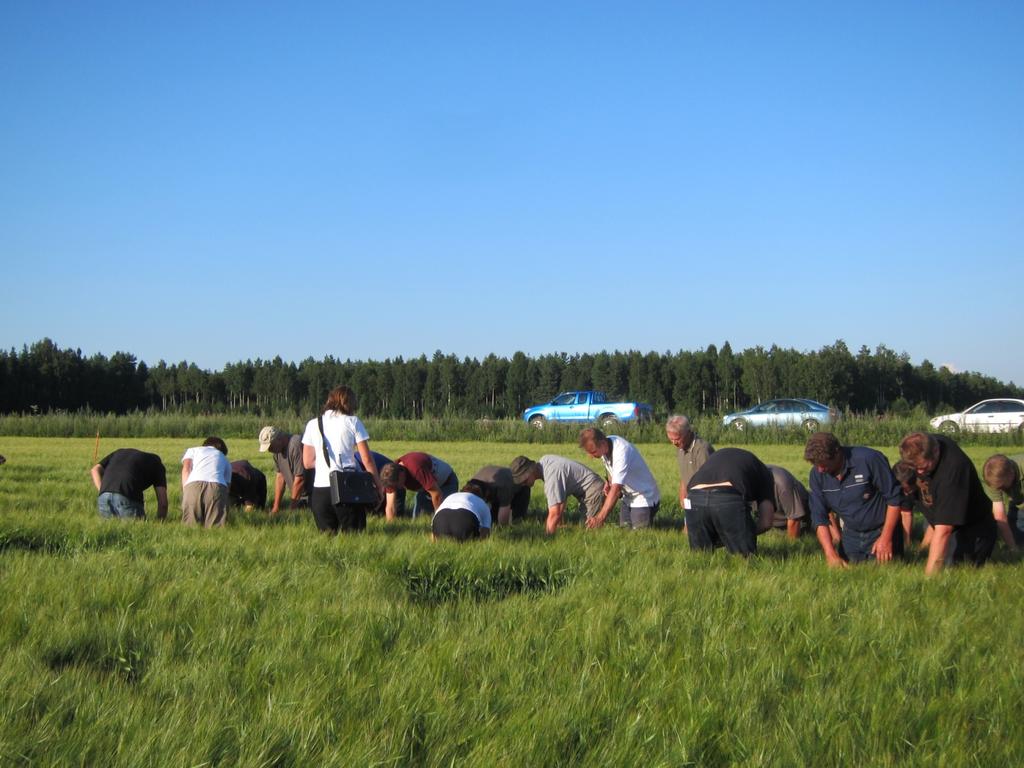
pixel 586 406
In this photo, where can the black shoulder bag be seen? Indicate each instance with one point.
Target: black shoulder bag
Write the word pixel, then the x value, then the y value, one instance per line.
pixel 349 487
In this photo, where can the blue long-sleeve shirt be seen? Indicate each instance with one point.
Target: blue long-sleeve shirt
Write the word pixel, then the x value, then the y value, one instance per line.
pixel 860 495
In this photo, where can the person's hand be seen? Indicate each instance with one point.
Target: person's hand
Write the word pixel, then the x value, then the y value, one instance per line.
pixel 882 549
pixel 595 522
pixel 837 562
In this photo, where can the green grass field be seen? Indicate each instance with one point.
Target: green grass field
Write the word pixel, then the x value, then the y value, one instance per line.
pixel 265 644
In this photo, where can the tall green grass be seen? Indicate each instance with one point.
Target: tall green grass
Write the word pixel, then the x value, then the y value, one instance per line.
pixel 857 430
pixel 265 644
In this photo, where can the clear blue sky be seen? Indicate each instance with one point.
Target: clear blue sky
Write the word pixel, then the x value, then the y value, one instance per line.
pixel 221 181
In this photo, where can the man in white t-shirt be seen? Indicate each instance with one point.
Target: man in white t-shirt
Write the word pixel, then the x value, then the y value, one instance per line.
pixel 205 479
pixel 627 476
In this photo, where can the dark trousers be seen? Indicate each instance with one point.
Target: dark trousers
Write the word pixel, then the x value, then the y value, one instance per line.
pixel 719 517
pixel 636 517
pixel 856 546
pixel 974 543
pixel 520 504
pixel 330 518
pixel 458 524
pixel 424 505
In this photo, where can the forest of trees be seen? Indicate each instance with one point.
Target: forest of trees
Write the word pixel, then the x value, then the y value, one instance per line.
pixel 44 378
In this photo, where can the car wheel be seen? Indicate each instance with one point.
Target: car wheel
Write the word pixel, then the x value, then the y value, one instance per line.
pixel 608 420
pixel 811 425
pixel 949 427
pixel 537 422
pixel 739 425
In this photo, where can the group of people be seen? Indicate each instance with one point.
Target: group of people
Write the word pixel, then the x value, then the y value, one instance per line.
pixel 209 484
pixel 858 506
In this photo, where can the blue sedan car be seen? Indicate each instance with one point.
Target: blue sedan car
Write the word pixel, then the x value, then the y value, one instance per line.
pixel 810 414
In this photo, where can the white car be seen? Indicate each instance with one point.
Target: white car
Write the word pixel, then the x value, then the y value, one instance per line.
pixel 999 415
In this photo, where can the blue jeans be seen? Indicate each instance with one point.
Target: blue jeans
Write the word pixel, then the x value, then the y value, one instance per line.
pixel 856 545
pixel 115 505
pixel 423 505
pixel 719 517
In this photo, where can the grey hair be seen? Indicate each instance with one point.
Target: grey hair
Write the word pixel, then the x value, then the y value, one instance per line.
pixel 678 425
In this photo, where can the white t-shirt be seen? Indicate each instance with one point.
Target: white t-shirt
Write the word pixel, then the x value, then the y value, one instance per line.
pixel 208 465
pixel 628 469
pixel 343 433
pixel 471 503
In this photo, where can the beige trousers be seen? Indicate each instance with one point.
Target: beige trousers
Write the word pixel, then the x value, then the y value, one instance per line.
pixel 204 504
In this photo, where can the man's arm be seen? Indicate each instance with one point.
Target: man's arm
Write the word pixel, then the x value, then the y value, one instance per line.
pixel 389 506
pixel 97 476
pixel 908 527
pixel 161 501
pixel 882 548
pixel 435 497
pixel 278 493
pixel 824 522
pixel 298 489
pixel 611 496
pixel 941 535
pixel 504 515
pixel 1002 523
pixel 554 517
pixel 824 534
pixel 926 540
pixel 186 470
pixel 308 456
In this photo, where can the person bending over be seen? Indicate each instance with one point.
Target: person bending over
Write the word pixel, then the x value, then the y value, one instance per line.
pixel 463 516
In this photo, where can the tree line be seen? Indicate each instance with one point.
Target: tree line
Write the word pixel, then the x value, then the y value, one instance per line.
pixel 43 377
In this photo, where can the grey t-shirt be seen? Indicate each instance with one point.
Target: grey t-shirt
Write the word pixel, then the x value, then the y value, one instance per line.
pixel 693 459
pixel 790 497
pixel 564 478
pixel 289 463
pixel 442 470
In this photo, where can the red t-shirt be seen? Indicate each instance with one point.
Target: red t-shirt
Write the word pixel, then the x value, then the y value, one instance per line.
pixel 419 471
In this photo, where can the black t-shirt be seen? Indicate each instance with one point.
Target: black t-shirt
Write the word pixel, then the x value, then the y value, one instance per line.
pixel 743 469
pixel 129 472
pixel 248 484
pixel 958 497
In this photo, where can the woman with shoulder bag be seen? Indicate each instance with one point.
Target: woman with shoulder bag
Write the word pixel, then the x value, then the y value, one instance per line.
pixel 329 444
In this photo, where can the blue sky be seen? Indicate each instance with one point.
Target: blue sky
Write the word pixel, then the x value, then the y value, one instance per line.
pixel 221 181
